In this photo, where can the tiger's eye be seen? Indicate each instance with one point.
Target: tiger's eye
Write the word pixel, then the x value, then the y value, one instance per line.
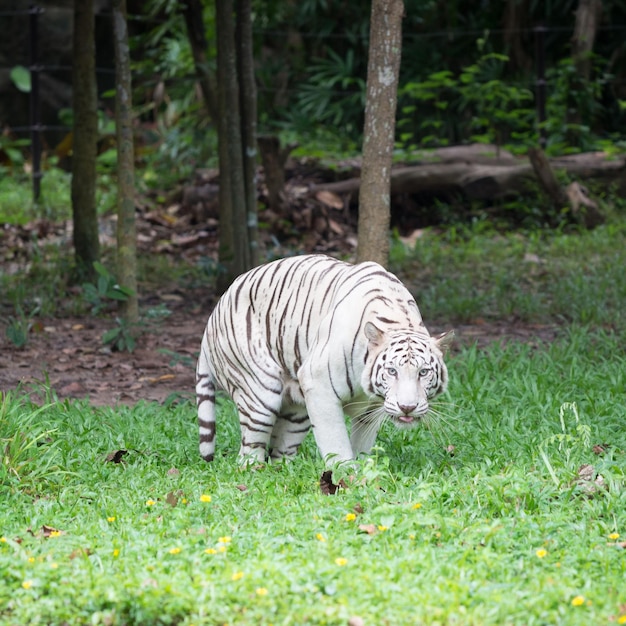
pixel 392 371
pixel 423 372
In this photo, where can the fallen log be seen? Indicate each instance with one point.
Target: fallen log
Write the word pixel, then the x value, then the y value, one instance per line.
pixel 485 180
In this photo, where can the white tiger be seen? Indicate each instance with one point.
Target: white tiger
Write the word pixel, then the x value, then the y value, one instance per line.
pixel 299 341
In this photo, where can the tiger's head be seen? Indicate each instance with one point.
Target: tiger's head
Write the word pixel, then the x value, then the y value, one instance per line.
pixel 407 371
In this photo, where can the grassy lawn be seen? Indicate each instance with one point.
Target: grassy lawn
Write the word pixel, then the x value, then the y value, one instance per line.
pixel 507 510
pixel 500 529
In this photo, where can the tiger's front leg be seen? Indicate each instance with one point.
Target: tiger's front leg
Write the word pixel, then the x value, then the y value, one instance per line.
pixel 329 427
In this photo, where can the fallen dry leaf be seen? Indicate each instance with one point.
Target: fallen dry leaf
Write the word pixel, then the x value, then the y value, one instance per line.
pixel 327 486
pixel 172 499
pixel 329 199
pixel 116 456
pixel 49 531
pixel 370 529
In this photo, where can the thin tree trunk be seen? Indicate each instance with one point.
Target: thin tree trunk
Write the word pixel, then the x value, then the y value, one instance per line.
pixel 192 10
pixel 126 227
pixel 247 95
pixel 85 139
pixel 585 29
pixel 378 137
pixel 233 247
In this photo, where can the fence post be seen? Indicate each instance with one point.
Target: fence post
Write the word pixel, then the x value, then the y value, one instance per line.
pixel 35 109
pixel 540 83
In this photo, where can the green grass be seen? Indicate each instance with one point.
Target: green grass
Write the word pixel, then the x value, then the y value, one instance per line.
pixel 542 277
pixel 456 536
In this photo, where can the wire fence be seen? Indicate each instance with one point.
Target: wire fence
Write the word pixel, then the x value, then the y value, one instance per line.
pixel 37 68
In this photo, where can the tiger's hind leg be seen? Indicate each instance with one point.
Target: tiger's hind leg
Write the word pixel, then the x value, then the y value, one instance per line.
pixel 257 422
pixel 289 432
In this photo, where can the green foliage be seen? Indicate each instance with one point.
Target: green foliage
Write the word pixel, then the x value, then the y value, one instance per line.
pixel 104 291
pixel 148 533
pixel 20 77
pixel 574 107
pixel 19 325
pixel 181 137
pixel 333 96
pixel 29 453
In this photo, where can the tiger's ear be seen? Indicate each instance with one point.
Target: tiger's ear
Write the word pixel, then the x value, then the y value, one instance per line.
pixel 444 341
pixel 375 335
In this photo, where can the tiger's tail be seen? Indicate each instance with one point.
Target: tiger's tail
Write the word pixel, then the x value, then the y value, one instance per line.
pixel 205 399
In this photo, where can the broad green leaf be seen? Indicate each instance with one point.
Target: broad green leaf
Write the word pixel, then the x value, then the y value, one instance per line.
pixel 21 78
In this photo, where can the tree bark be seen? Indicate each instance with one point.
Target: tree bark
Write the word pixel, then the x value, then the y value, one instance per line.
pixel 515 22
pixel 85 140
pixel 126 227
pixel 233 247
pixel 585 29
pixel 546 177
pixel 378 136
pixel 192 11
pixel 274 156
pixel 248 111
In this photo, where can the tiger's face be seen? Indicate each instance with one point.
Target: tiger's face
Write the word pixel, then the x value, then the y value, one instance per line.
pixel 408 371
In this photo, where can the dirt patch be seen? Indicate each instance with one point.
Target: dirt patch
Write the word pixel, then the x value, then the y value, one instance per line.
pixel 68 356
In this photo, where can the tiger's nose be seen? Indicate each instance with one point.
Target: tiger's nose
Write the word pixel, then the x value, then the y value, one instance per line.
pixel 407 408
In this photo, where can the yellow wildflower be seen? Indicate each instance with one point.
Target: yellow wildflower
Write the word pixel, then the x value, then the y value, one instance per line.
pixel 224 539
pixel 205 497
pixel 237 576
pixel 621 619
pixel 614 536
pixel 27 584
pixel 350 517
pixel 261 591
pixel 31 559
pixel 341 561
pixel 150 502
pixel 382 528
pixel 116 552
pixel 174 550
pixel 541 553
pixel 3 539
pixel 578 600
pixel 320 537
pixel 417 505
pixel 111 518
pixel 54 565
pixel 210 551
pixel 55 533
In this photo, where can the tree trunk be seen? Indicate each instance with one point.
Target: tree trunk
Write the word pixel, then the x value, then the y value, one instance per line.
pixel 85 140
pixel 515 22
pixel 585 29
pixel 378 137
pixel 233 247
pixel 274 156
pixel 126 227
pixel 192 11
pixel 248 110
